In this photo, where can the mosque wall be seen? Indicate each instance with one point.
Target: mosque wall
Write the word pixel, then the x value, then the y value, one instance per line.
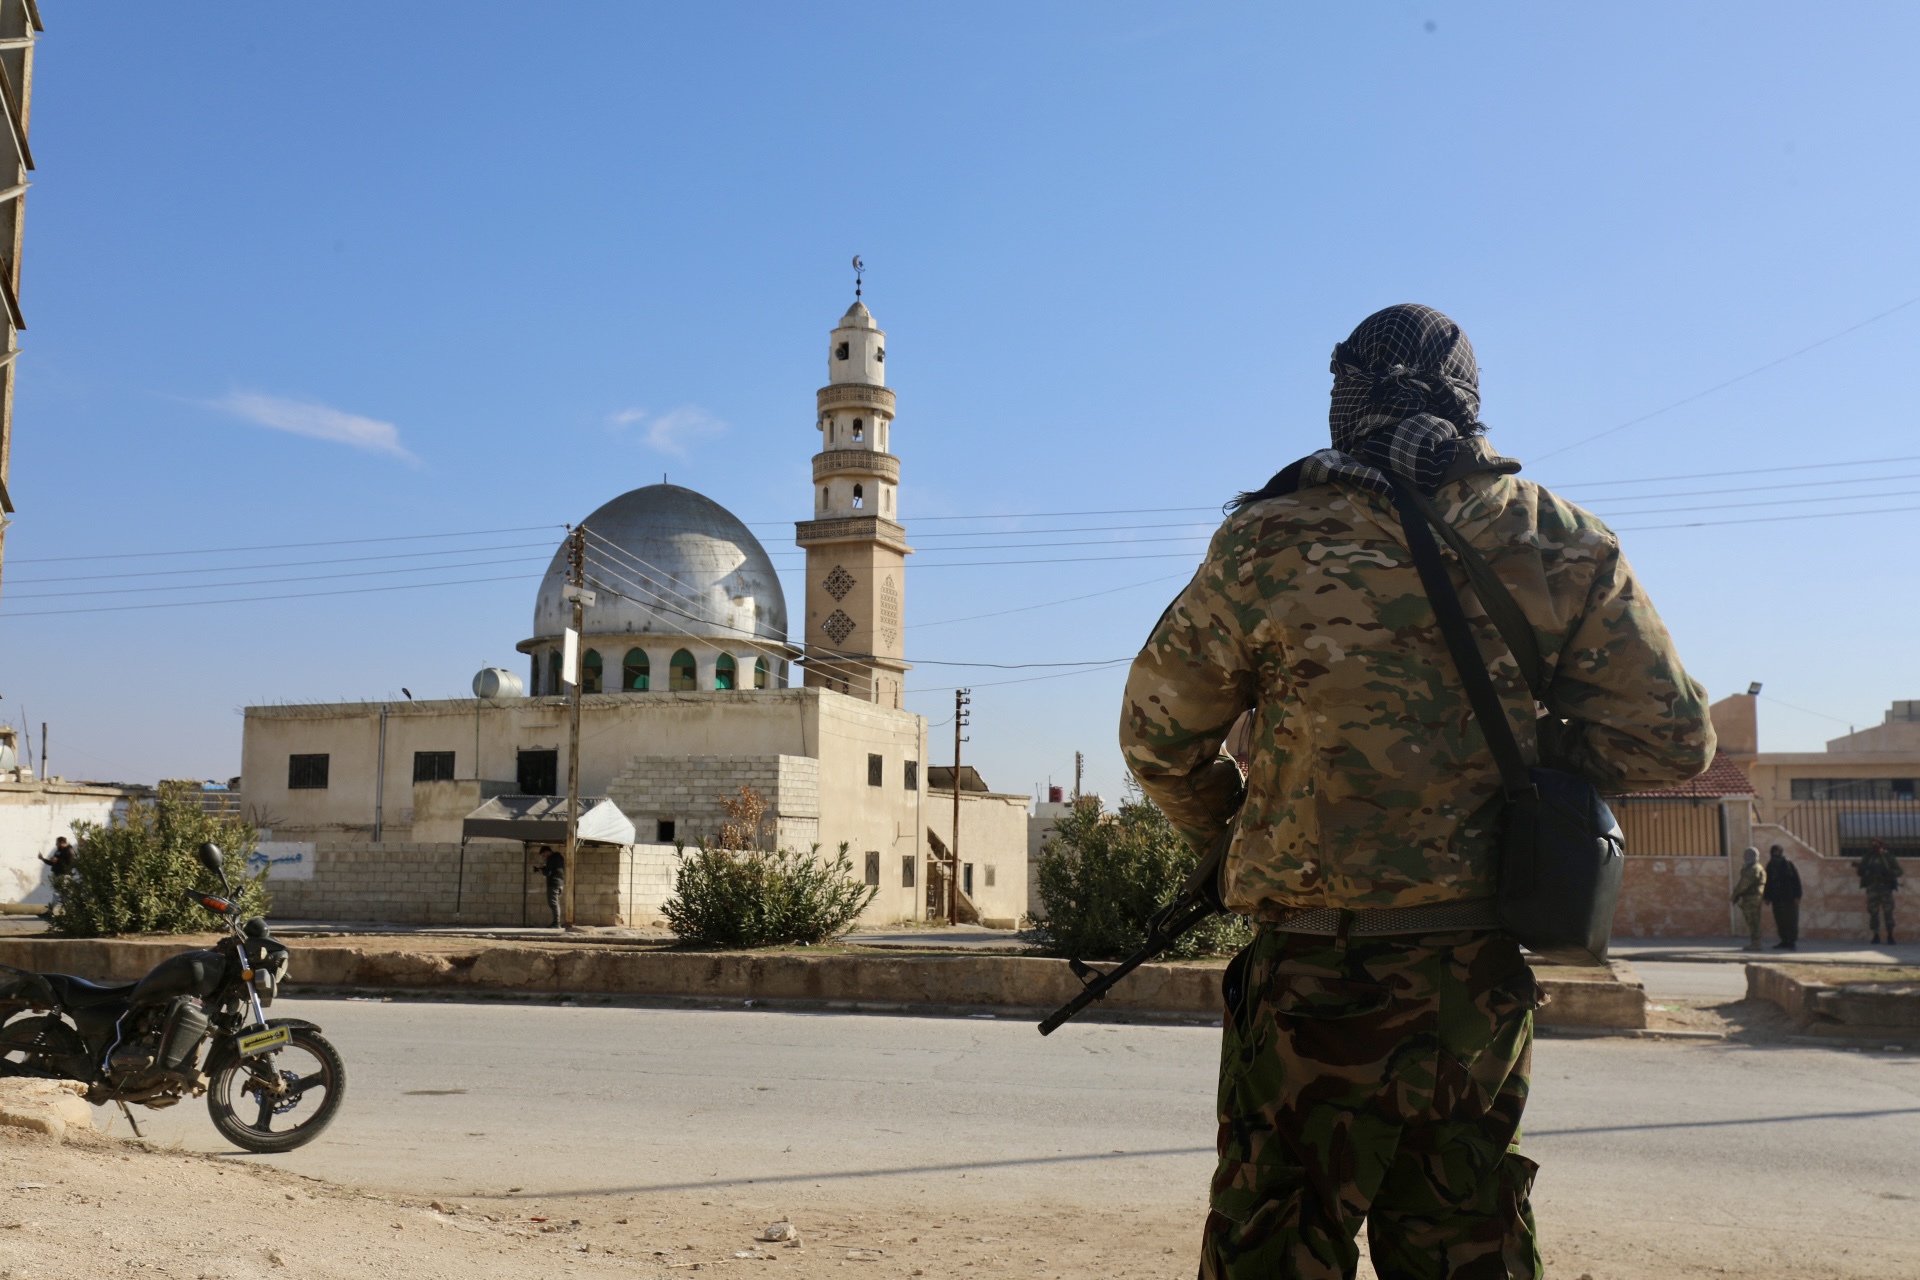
pixel 837 767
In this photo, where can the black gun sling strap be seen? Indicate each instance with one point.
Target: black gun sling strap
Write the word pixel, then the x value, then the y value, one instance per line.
pixel 1560 865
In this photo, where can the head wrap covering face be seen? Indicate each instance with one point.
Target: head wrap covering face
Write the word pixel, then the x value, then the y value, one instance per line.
pixel 1406 391
pixel 1401 362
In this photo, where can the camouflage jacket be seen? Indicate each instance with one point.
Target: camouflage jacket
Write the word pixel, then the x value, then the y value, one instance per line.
pixel 1370 784
pixel 1879 871
pixel 1752 883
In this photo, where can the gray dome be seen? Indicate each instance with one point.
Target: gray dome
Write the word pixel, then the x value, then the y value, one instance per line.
pixel 684 565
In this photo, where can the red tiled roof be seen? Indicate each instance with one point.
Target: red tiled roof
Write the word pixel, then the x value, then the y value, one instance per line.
pixel 1722 778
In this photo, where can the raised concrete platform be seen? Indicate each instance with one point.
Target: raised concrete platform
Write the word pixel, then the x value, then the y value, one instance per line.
pixel 1601 998
pixel 1866 1003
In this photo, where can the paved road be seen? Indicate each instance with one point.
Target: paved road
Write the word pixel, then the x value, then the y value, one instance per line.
pixel 1808 1142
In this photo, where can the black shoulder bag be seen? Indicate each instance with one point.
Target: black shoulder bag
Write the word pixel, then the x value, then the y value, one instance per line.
pixel 1560 848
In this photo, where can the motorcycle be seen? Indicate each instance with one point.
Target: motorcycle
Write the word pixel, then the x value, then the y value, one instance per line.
pixel 271 1084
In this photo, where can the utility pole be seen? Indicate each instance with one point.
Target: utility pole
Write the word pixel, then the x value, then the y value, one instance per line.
pixel 43 752
pixel 576 591
pixel 961 699
pixel 1079 766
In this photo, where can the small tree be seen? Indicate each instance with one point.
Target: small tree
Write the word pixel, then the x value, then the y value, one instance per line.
pixel 132 876
pixel 1102 876
pixel 735 893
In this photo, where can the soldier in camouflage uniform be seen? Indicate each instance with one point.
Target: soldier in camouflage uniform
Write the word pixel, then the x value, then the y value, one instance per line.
pixel 1879 873
pixel 1374 1067
pixel 1748 892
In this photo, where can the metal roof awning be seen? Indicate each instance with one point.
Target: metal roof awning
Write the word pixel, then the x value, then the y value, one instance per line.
pixel 544 819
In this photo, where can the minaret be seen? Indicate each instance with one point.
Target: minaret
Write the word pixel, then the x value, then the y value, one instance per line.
pixel 856 547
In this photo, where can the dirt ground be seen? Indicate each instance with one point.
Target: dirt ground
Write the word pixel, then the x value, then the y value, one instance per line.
pixel 98 1207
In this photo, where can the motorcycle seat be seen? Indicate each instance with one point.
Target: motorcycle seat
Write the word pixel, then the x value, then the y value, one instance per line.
pixel 84 993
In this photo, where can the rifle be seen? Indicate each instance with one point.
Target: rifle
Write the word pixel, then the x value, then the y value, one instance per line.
pixel 1197 902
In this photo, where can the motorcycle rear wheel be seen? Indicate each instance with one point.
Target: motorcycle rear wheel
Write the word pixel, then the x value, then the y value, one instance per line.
pixel 42 1045
pixel 245 1113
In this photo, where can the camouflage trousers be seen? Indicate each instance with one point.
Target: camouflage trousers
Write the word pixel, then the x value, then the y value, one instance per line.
pixel 1750 912
pixel 1380 1081
pixel 1879 907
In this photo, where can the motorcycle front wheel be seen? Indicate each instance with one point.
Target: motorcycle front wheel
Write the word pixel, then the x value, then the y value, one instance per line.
pixel 279 1100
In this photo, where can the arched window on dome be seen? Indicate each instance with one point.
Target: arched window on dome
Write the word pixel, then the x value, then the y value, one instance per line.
pixel 761 674
pixel 553 673
pixel 859 497
pixel 635 671
pixel 681 675
pixel 859 429
pixel 533 676
pixel 724 671
pixel 590 672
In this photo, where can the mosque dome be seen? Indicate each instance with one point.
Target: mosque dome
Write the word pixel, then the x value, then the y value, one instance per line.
pixel 666 561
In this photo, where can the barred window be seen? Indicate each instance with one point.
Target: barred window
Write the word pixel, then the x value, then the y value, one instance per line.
pixel 876 771
pixel 307 773
pixel 907 862
pixel 913 775
pixel 873 867
pixel 433 766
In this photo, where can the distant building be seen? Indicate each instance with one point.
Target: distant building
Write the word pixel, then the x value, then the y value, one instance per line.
pixel 687 694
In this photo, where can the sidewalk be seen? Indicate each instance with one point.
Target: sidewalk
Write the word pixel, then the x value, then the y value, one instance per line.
pixel 1733 951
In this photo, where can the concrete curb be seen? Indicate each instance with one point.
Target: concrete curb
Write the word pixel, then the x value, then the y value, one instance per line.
pixel 1855 1010
pixel 996 982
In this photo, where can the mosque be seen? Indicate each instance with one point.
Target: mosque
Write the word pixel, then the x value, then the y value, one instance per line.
pixel 427 810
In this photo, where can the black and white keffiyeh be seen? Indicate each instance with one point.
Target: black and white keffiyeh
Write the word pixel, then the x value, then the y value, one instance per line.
pixel 1406 392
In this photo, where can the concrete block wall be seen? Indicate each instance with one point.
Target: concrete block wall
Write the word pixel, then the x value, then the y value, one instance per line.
pixel 421 883
pixel 1688 897
pixel 687 790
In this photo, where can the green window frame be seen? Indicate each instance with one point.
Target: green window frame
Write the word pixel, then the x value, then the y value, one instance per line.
pixel 635 671
pixel 590 672
pixel 762 673
pixel 725 672
pixel 682 675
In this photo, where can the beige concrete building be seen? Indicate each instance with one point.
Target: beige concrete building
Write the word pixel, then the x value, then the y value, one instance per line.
pixel 686 695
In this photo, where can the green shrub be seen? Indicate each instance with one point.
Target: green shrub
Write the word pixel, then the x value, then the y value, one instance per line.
pixel 132 876
pixel 1103 875
pixel 759 898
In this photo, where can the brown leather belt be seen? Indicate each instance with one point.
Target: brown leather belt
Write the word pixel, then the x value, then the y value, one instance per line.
pixel 1437 917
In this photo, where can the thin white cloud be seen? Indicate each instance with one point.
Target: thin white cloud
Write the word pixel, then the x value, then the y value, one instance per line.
pixel 674 431
pixel 316 420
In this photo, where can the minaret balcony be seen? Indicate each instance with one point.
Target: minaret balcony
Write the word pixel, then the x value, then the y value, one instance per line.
pixel 874 529
pixel 855 395
pixel 858 462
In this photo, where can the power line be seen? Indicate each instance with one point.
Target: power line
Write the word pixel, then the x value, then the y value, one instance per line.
pixel 1722 386
pixel 297 595
pixel 267 582
pixel 1756 488
pixel 1029 608
pixel 990 684
pixel 1771 502
pixel 1808 712
pixel 284 564
pixel 1815 515
pixel 1750 471
pixel 285 546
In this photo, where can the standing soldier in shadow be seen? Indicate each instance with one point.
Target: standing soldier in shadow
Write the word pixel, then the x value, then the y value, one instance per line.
pixel 1378 1033
pixel 1879 873
pixel 1748 891
pixel 553 865
pixel 1783 894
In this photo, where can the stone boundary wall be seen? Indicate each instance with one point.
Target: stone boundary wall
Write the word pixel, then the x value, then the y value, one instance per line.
pixel 1597 998
pixel 687 790
pixel 1689 897
pixel 495 884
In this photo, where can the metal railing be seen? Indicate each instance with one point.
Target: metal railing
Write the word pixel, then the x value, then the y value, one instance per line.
pixel 1671 826
pixel 1848 828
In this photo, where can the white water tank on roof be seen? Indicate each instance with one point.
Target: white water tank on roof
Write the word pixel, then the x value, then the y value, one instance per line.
pixel 498 682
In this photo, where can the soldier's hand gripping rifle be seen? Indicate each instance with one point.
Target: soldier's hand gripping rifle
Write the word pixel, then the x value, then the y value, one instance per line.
pixel 1197 902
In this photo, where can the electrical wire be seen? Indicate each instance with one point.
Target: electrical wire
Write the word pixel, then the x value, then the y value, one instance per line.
pixel 1754 372
pixel 1750 471
pixel 281 564
pixel 1771 502
pixel 1813 515
pixel 296 595
pixel 285 546
pixel 264 582
pixel 1805 711
pixel 1029 608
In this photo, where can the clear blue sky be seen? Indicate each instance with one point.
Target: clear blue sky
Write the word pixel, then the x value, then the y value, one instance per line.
pixel 305 273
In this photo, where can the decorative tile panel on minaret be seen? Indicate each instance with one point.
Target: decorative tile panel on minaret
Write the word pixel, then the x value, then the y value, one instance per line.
pixel 856 547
